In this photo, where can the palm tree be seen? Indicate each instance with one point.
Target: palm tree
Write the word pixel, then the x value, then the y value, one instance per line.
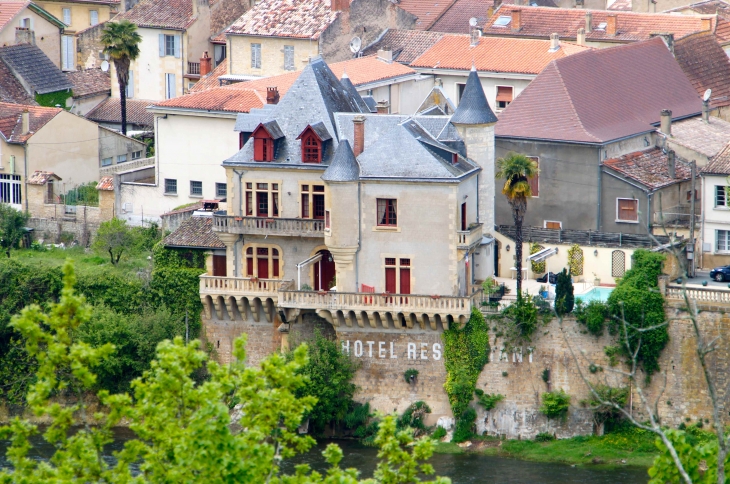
pixel 517 169
pixel 121 44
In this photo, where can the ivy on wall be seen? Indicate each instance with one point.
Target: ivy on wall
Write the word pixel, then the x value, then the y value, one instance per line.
pixel 52 99
pixel 575 260
pixel 537 267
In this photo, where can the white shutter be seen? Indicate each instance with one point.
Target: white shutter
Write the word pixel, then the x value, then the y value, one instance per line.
pixel 177 46
pixel 67 16
pixel 130 85
pixel 162 45
pixel 170 88
pixel 67 52
pixel 94 17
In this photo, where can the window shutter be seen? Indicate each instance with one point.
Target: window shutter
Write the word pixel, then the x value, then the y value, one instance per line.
pixel 535 180
pixel 258 149
pixel 162 44
pixel 67 52
pixel 94 17
pixel 130 85
pixel 67 16
pixel 627 210
pixel 170 88
pixel 177 46
pixel 504 93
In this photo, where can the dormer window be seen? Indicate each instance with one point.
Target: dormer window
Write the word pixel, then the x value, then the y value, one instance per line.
pixel 263 145
pixel 454 158
pixel 311 146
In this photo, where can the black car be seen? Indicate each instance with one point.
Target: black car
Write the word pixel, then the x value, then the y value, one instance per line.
pixel 720 274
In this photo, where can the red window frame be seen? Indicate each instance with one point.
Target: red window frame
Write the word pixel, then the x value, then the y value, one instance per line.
pixel 263 145
pixel 387 212
pixel 311 146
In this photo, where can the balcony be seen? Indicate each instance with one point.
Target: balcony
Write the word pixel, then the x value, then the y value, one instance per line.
pixel 194 68
pixel 283 227
pixel 239 297
pixel 466 239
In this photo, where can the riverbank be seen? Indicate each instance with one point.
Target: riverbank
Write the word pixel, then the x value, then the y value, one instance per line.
pixel 634 448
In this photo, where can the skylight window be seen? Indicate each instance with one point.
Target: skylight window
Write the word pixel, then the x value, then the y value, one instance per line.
pixel 503 21
pixel 602 26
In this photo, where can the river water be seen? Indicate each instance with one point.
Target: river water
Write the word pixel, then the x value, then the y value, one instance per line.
pixel 461 468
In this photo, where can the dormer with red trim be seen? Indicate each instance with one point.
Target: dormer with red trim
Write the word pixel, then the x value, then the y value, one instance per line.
pixel 264 141
pixel 313 140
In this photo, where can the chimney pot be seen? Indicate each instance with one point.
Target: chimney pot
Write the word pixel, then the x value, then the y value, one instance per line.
pixel 589 22
pixel 359 132
pixel 383 107
pixel 581 37
pixel 611 21
pixel 706 111
pixel 272 95
pixel 340 5
pixel 671 164
pixel 385 54
pixel 25 120
pixel 666 122
pixel 205 64
pixel 554 42
pixel 516 19
pixel 24 35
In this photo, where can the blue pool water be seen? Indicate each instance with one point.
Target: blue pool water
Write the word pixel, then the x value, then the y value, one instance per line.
pixel 595 294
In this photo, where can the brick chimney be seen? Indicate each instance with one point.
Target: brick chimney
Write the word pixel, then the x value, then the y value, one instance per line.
pixel 359 131
pixel 671 164
pixel 516 19
pixel 383 107
pixel 340 5
pixel 580 39
pixel 706 24
pixel 666 122
pixel 25 120
pixel 272 95
pixel 589 22
pixel 611 24
pixel 205 64
pixel 24 35
pixel 490 12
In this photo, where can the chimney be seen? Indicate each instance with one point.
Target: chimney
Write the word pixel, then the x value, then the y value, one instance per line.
pixel 581 37
pixel 205 64
pixel 490 12
pixel 25 117
pixel 385 55
pixel 666 122
pixel 589 22
pixel 24 35
pixel 579 3
pixel 359 130
pixel 611 24
pixel 497 4
pixel 272 95
pixel 671 164
pixel 554 42
pixel 706 111
pixel 438 82
pixel 383 107
pixel 340 5
pixel 706 24
pixel 516 20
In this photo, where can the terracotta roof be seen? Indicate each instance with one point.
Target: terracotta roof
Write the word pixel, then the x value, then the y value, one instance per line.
pixel 621 5
pixel 106 183
pixel 8 10
pixel 720 165
pixel 406 45
pixel 218 99
pixel 301 19
pixel 185 208
pixel 218 39
pixel 705 138
pixel 630 26
pixel 160 14
pixel 365 70
pixel 11 125
pixel 426 11
pixel 195 232
pixel 82 2
pixel 601 95
pixel 110 111
pixel 11 91
pixel 706 66
pixel 650 168
pixel 90 82
pixel 42 177
pixel 455 20
pixel 211 79
pixel 525 56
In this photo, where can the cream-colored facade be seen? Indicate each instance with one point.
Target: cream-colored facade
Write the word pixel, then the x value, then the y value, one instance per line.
pixel 45 29
pixel 271 63
pixel 81 14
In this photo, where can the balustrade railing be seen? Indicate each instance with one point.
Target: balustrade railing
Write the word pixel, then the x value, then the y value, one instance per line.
pixel 701 295
pixel 194 68
pixel 468 238
pixel 234 286
pixel 268 226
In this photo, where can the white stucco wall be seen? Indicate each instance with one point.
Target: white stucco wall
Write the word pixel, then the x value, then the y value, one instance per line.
pixel 713 219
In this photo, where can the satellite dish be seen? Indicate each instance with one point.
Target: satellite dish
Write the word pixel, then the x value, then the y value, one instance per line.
pixel 355 45
pixel 707 95
pixel 473 22
pixel 105 66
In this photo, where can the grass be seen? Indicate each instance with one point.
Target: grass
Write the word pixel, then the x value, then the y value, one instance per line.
pixel 83 259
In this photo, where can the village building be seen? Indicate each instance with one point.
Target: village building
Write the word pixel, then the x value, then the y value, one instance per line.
pixel 718 8
pixel 29 67
pixel 29 23
pixel 715 234
pixel 404 45
pixel 108 113
pixel 91 87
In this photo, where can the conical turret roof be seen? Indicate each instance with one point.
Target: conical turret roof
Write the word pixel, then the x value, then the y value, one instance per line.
pixel 343 167
pixel 473 107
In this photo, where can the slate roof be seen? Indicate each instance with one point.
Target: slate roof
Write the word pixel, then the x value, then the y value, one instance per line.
pixel 301 19
pixel 195 232
pixel 406 45
pixel 90 82
pixel 11 91
pixel 11 125
pixel 110 111
pixel 344 167
pixel 706 66
pixel 34 69
pixel 526 56
pixel 160 14
pixel 106 183
pixel 720 165
pixel 426 11
pixel 601 95
pixel 436 99
pixel 473 107
pixel 705 138
pixel 41 177
pixel 540 22
pixel 650 168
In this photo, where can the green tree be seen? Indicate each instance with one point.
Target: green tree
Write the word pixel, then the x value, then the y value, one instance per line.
pixel 555 405
pixel 121 43
pixel 12 227
pixel 114 238
pixel 516 170
pixel 564 299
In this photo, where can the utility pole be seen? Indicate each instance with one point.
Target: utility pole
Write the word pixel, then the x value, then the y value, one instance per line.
pixel 691 245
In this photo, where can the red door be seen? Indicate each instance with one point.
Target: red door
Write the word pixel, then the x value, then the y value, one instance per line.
pixel 405 280
pixel 463 216
pixel 324 272
pixel 263 264
pixel 219 265
pixel 390 280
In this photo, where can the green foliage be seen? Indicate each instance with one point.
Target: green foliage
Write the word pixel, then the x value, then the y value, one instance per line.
pixel 516 169
pixel 593 316
pixel 555 404
pixel 606 412
pixel 488 400
pixel 114 238
pixel 464 428
pixel 413 418
pixel 521 320
pixel 544 437
pixel 358 421
pixel 699 458
pixel 439 433
pixel 53 99
pixel 85 194
pixel 329 373
pixel 612 352
pixel 489 286
pixel 177 258
pixel 12 227
pixel 545 375
pixel 410 375
pixel 537 267
pixel 575 260
pixel 637 300
pixel 564 299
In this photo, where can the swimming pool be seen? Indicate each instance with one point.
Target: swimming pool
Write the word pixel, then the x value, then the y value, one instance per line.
pixel 595 294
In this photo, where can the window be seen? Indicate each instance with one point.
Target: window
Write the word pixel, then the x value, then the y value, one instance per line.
pixel 289 57
pixel 263 145
pixel 263 200
pixel 535 180
pixel 397 275
pixel 170 186
pixel 93 17
pixel 256 56
pixel 130 85
pixel 196 188
pixel 387 212
pixel 723 240
pixel 221 190
pixel 243 138
pixel 459 91
pixel 312 201
pixel 67 16
pixel 169 45
pixel 10 189
pixel 219 53
pixel 689 195
pixel 121 158
pixel 720 196
pixel 627 210
pixel 549 224
pixel 106 161
pixel 311 146
pixel 136 155
pixel 67 52
pixel 170 86
pixel 502 21
pixel 263 262
pixel 505 94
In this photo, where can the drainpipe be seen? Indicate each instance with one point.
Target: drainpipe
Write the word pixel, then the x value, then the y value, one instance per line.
pixel 25 174
pixel 237 256
pixel 359 236
pixel 598 218
pixel 649 195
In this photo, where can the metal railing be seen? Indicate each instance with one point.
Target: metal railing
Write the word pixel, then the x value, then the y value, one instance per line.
pixel 268 226
pixel 469 238
pixel 582 237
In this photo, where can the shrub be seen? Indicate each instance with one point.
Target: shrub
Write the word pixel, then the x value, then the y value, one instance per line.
pixel 413 418
pixel 410 375
pixel 488 400
pixel 439 433
pixel 605 413
pixel 522 314
pixel 464 428
pixel 12 227
pixel 114 238
pixel 593 316
pixel 564 299
pixel 544 437
pixel 555 404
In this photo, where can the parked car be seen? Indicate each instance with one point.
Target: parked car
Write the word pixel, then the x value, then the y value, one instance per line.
pixel 720 274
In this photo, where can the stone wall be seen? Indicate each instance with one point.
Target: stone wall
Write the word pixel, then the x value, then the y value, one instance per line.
pixel 52 231
pixel 89 49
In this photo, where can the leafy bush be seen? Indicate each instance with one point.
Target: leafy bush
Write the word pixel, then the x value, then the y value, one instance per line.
pixel 410 375
pixel 12 227
pixel 522 318
pixel 564 299
pixel 555 404
pixel 464 429
pixel 606 413
pixel 439 433
pixel 537 267
pixel 413 418
pixel 593 316
pixel 488 400
pixel 115 238
pixel 544 437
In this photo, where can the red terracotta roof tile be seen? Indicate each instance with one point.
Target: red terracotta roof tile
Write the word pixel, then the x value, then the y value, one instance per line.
pixel 406 45
pixel 160 14
pixel 218 99
pixel 494 54
pixel 211 79
pixel 301 19
pixel 720 165
pixel 106 183
pixel 110 111
pixel 650 168
pixel 426 11
pixel 195 232
pixel 8 10
pixel 41 177
pixel 90 82
pixel 11 125
pixel 711 7
pixel 365 70
pixel 706 66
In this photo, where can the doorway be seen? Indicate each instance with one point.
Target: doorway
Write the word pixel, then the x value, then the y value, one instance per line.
pixel 324 272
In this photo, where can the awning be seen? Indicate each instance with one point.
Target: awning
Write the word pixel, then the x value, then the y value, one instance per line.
pixel 486 240
pixel 542 255
pixel 315 258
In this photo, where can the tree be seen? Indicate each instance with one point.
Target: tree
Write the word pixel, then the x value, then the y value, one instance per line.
pixel 564 299
pixel 115 237
pixel 12 227
pixel 516 170
pixel 121 43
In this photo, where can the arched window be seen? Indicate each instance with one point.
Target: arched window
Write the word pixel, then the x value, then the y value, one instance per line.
pixel 311 146
pixel 263 145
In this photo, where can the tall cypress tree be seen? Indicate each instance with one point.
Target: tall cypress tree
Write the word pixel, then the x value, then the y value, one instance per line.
pixel 564 299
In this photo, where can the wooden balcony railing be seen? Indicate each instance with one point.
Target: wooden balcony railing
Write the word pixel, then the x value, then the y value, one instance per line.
pixel 469 238
pixel 295 227
pixel 194 68
pixel 240 286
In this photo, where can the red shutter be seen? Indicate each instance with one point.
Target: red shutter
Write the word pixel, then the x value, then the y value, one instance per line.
pixel 405 280
pixel 219 265
pixel 627 210
pixel 504 94
pixel 249 266
pixel 263 266
pixel 390 280
pixel 258 149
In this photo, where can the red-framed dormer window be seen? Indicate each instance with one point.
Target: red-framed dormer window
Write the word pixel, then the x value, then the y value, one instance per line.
pixel 263 145
pixel 311 146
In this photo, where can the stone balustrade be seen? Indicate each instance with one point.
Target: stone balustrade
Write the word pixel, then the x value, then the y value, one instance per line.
pixel 126 166
pixel 291 227
pixel 701 295
pixel 469 238
pixel 239 286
